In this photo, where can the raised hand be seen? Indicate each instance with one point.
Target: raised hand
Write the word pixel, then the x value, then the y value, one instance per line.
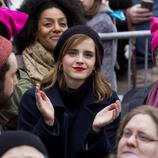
pixel 136 14
pixel 106 116
pixel 44 106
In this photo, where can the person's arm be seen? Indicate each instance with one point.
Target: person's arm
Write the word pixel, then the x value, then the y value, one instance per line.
pixel 32 120
pixel 96 145
pixel 101 138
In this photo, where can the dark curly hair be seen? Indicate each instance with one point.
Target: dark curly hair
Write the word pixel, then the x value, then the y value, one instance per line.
pixel 71 8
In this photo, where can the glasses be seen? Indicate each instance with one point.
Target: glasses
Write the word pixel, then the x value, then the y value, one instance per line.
pixel 140 136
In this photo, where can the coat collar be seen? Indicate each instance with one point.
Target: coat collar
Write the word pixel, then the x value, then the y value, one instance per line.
pixel 90 100
pixel 54 96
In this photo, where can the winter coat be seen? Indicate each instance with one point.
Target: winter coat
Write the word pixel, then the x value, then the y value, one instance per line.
pixel 62 140
pixel 9 114
pixel 120 4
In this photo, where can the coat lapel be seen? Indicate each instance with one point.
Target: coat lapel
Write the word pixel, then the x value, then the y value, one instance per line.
pixel 82 124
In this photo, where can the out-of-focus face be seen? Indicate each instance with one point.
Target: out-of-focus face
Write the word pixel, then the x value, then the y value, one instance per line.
pixel 10 77
pixel 87 4
pixel 78 63
pixel 139 139
pixel 23 152
pixel 52 23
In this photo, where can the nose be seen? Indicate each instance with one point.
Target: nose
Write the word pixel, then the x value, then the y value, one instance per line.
pixel 56 27
pixel 131 141
pixel 80 59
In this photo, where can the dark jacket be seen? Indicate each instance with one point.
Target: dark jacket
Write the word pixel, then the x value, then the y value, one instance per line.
pixel 61 142
pixel 134 98
pixel 120 4
pixel 9 114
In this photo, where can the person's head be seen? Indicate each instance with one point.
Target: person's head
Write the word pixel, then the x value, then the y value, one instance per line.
pixel 8 68
pixel 11 22
pixel 21 144
pixel 91 7
pixel 138 134
pixel 78 55
pixel 48 19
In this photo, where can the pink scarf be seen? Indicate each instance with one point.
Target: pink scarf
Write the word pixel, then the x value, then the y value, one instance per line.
pixel 152 98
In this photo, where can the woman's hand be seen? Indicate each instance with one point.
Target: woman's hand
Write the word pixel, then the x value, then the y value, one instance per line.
pixel 106 116
pixel 44 106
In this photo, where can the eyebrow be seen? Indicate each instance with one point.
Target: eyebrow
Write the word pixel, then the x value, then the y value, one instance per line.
pixel 88 51
pixel 51 19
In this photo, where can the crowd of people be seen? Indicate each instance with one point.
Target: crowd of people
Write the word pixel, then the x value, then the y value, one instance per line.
pixel 58 83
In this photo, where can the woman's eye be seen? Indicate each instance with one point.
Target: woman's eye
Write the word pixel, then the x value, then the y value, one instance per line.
pixel 144 138
pixel 63 24
pixel 127 134
pixel 89 55
pixel 71 53
pixel 48 24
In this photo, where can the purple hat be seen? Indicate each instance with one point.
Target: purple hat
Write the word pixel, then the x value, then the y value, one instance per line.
pixel 154 34
pixel 14 21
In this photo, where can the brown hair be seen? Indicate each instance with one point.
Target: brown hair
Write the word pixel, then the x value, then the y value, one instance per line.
pixel 143 109
pixel 100 84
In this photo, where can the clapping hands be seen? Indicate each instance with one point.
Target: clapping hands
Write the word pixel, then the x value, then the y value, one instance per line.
pixel 106 116
pixel 45 106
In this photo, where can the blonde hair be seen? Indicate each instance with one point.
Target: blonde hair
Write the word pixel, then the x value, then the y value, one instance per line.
pixel 100 83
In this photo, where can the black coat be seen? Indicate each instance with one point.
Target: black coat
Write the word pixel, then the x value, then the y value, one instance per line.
pixel 58 139
pixel 120 4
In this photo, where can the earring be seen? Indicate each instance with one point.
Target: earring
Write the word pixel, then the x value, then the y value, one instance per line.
pixel 60 67
pixel 94 70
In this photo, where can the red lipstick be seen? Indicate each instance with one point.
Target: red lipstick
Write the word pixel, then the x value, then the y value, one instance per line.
pixel 79 69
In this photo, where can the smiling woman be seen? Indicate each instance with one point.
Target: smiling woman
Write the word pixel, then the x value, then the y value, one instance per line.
pixel 35 43
pixel 78 114
pixel 78 63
